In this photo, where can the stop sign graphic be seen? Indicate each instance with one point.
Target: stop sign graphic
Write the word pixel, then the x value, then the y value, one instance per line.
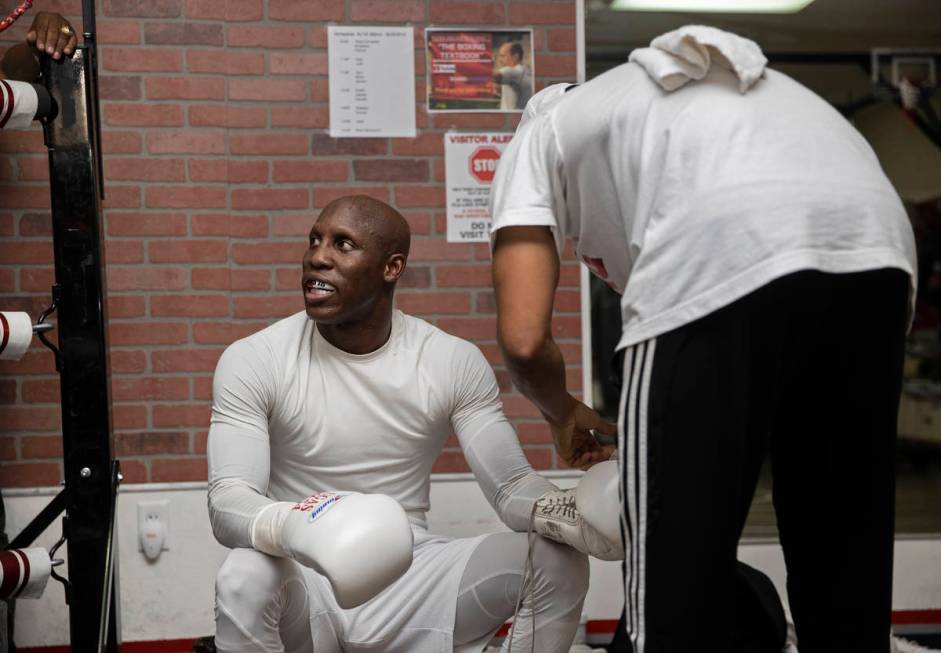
pixel 483 163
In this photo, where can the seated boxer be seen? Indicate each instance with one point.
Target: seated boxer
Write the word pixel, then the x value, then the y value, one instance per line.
pixel 349 404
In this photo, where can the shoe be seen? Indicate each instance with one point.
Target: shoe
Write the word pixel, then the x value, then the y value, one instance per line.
pixel 204 645
pixel 790 642
pixel 902 645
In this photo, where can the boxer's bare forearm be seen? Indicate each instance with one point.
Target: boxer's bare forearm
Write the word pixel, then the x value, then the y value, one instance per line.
pixel 525 276
pixel 539 374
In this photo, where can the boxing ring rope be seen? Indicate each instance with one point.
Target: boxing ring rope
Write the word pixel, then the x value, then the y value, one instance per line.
pixel 14 15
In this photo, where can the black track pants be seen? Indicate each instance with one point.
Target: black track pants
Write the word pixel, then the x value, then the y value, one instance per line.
pixel 808 370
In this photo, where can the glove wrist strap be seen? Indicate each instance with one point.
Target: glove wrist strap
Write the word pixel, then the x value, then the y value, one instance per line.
pixel 267 527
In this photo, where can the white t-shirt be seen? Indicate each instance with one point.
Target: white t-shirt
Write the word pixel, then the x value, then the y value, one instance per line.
pixel 685 201
pixel 293 415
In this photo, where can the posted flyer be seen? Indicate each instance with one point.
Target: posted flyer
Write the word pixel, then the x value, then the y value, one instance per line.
pixel 479 70
pixel 470 161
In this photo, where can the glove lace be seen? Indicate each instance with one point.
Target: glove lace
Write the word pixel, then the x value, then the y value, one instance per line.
pixel 559 504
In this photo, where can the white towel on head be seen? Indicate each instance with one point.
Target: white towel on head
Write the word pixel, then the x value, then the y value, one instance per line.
pixel 687 53
pixel 669 71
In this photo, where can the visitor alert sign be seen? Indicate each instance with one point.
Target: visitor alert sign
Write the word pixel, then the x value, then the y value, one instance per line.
pixel 470 161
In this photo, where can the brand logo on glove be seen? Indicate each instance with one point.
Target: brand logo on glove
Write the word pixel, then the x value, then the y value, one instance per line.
pixel 317 504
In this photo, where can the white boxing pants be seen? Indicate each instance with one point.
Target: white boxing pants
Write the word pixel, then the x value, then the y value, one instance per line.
pixel 269 605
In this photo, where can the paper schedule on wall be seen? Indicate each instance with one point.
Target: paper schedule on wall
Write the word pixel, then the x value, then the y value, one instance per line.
pixel 372 81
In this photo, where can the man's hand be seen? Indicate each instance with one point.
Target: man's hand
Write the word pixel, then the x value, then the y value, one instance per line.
pixel 52 34
pixel 574 439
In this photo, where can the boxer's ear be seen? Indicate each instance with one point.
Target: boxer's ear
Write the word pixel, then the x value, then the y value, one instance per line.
pixel 395 266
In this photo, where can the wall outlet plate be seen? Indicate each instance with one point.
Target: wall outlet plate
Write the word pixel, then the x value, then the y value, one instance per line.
pixel 160 509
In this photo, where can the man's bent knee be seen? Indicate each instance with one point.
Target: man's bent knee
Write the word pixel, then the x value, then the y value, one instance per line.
pixel 249 579
pixel 565 568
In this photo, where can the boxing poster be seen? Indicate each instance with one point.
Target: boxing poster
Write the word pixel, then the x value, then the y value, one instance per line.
pixel 479 70
pixel 470 161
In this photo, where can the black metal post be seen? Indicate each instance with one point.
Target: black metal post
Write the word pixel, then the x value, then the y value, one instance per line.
pixel 91 474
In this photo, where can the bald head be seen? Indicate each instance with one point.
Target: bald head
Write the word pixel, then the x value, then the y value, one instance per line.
pixel 381 221
pixel 356 255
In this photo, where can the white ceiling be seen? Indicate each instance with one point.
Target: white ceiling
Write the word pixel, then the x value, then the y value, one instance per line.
pixel 824 26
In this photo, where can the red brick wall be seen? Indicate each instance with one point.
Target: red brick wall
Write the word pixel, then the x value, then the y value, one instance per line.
pixel 217 159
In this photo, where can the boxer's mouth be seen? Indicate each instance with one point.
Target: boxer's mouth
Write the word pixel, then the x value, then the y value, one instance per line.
pixel 316 290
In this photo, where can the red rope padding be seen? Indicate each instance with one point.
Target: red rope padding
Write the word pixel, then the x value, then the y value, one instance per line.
pixel 16 13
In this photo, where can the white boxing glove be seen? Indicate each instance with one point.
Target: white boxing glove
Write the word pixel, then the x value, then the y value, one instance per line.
pixel 555 516
pixel 598 501
pixel 362 543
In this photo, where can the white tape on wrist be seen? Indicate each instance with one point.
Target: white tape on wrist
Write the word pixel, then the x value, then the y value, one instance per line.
pixel 267 527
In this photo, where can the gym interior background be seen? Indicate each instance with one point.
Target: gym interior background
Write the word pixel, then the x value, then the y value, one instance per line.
pixel 217 158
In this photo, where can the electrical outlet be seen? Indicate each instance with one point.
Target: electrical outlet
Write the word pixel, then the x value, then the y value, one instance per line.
pixel 158 509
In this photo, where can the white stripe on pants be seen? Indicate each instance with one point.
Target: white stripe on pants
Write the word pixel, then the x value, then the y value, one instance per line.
pixel 632 461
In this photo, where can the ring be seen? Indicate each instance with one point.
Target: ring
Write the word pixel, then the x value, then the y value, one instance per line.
pixel 65 29
pixel 604 440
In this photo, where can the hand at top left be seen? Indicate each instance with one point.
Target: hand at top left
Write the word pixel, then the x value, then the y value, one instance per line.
pixel 52 34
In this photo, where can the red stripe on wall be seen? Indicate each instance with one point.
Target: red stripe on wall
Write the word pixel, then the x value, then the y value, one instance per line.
pixel 600 626
pixel 907 617
pixel 594 627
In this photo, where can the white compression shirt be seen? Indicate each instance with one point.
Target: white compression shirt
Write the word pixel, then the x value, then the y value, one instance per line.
pixel 293 415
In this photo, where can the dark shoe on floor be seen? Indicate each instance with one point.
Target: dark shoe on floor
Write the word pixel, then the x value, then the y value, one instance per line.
pixel 204 645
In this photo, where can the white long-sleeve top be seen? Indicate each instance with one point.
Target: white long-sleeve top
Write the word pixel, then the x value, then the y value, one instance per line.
pixel 18 104
pixel 293 415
